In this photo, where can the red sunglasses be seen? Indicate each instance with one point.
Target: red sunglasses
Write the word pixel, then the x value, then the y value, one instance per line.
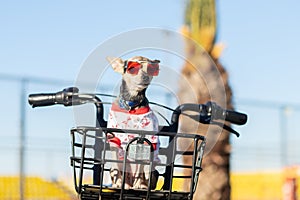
pixel 133 67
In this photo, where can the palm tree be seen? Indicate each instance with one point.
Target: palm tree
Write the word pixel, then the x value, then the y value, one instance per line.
pixel 205 79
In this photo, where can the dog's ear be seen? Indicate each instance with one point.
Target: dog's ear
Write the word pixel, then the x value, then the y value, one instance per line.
pixel 116 63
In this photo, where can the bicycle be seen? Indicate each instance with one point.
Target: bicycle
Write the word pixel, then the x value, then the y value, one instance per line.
pixel 91 149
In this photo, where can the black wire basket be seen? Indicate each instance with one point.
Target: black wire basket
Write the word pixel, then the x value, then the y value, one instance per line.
pixel 91 161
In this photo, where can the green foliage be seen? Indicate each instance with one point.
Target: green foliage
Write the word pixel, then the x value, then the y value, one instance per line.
pixel 200 18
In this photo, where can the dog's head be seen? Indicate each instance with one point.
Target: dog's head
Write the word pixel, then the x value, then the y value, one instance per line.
pixel 137 72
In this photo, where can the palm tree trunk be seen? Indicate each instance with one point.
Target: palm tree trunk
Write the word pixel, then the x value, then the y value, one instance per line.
pixel 205 79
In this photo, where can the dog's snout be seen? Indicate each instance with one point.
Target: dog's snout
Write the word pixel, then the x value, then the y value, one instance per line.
pixel 145 79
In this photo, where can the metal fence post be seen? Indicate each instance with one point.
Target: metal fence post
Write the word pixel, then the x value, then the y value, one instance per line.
pixel 22 137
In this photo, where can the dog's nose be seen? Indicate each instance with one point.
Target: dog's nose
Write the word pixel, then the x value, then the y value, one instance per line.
pixel 145 79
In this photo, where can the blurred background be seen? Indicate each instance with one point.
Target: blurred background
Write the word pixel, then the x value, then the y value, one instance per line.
pixel 44 44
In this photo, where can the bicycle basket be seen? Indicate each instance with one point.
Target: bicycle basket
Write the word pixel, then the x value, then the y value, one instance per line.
pixel 92 160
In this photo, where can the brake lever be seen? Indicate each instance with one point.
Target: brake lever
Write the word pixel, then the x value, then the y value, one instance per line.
pixel 227 128
pixel 207 120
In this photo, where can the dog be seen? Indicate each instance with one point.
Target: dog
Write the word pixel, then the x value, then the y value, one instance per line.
pixel 131 110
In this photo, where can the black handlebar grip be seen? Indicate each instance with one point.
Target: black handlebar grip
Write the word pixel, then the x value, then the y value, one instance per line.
pixel 235 117
pixel 64 97
pixel 39 100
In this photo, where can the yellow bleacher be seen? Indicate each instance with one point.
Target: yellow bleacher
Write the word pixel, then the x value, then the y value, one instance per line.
pixel 256 186
pixel 260 185
pixel 35 188
pixel 245 186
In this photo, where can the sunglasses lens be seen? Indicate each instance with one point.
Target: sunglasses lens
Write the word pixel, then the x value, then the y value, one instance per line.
pixel 133 67
pixel 153 69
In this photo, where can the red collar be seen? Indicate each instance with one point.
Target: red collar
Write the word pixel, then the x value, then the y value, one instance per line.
pixel 137 111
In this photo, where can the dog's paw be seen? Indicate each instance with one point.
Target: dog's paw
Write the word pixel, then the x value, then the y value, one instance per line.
pixel 118 184
pixel 116 178
pixel 140 183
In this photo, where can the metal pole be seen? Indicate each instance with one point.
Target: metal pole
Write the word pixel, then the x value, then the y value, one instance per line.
pixel 22 138
pixel 284 113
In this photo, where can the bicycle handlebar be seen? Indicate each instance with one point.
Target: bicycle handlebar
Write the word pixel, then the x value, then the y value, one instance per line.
pixel 235 117
pixel 228 115
pixel 65 97
pixel 209 112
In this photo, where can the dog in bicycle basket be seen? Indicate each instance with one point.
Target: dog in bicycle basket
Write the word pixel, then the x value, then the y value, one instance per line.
pixel 131 110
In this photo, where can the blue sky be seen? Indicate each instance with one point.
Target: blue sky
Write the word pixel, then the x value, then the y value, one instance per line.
pixel 51 39
pixel 263 47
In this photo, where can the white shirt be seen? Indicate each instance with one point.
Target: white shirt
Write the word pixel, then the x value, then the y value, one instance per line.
pixel 143 119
